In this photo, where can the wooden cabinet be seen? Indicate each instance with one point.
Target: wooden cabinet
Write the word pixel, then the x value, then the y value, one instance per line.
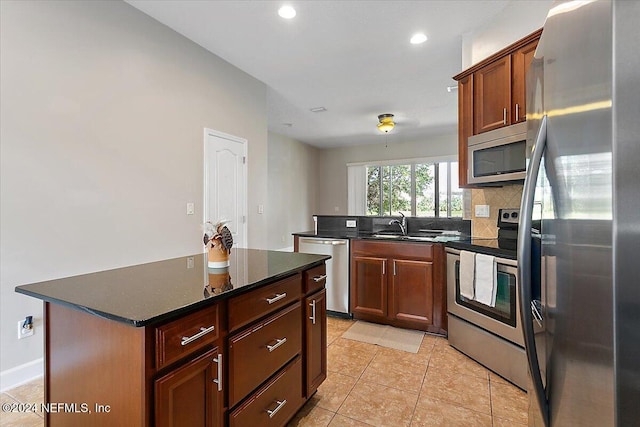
pixel 520 62
pixel 315 341
pixel 400 284
pixel 274 403
pixel 411 291
pixel 257 352
pixel 491 94
pixel 251 359
pixel 465 124
pixel 191 395
pixel 368 285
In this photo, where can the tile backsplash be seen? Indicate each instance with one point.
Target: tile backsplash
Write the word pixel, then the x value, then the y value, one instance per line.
pixel 508 197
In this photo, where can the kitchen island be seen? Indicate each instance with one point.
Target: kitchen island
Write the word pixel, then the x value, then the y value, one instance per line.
pixel 174 343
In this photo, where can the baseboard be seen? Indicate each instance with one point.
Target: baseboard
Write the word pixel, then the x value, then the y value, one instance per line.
pixel 21 374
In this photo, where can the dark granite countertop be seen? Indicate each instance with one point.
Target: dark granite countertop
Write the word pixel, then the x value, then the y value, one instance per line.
pixel 144 294
pixel 391 237
pixel 489 246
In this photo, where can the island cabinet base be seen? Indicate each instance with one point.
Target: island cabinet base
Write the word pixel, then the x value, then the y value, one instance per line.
pixel 98 372
pixel 212 366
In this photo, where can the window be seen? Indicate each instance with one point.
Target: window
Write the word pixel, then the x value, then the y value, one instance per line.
pixel 416 189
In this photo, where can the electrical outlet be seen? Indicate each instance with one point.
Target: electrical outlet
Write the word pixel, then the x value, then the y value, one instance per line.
pixel 191 208
pixel 351 223
pixel 25 327
pixel 482 211
pixel 260 209
pixel 190 262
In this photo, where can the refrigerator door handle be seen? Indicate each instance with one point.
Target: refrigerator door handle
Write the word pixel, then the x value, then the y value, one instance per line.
pixel 524 266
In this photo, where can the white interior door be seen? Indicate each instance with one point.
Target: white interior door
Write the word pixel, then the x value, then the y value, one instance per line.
pixel 225 186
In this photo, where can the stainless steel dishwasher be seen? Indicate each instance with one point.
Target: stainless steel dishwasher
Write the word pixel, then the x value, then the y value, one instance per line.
pixel 337 270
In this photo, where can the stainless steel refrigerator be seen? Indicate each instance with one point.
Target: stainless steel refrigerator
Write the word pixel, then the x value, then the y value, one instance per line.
pixel 579 234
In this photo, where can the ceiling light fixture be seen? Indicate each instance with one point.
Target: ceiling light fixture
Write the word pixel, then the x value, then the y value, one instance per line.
pixel 317 109
pixel 386 122
pixel 287 12
pixel 418 38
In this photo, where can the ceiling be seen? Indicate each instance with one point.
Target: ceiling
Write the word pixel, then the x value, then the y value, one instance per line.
pixel 351 57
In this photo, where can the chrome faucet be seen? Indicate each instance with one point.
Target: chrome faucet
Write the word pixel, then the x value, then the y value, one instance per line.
pixel 401 223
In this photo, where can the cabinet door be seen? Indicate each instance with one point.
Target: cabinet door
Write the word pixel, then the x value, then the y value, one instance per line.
pixel 316 341
pixel 411 293
pixel 465 125
pixel 492 95
pixel 369 286
pixel 521 60
pixel 191 395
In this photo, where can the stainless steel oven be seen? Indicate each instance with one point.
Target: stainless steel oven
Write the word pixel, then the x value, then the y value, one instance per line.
pixel 490 335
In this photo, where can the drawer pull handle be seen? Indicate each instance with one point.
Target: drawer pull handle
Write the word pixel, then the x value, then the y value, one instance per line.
pixel 278 297
pixel 278 343
pixel 203 332
pixel 313 312
pixel 218 380
pixel 280 403
pixel 319 278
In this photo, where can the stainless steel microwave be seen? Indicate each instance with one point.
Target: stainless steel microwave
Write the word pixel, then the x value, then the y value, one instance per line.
pixel 497 156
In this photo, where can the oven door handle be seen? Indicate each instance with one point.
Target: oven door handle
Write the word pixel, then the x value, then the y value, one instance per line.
pixel 524 266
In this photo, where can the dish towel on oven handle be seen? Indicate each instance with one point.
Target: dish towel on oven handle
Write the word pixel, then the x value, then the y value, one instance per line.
pixel 486 272
pixel 467 269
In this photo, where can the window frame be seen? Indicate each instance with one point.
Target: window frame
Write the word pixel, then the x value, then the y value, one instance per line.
pixel 435 161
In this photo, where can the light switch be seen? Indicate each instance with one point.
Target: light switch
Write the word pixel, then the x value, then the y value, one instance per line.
pixel 260 209
pixel 482 211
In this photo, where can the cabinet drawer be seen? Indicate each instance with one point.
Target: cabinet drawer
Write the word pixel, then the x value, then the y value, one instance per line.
pixel 183 336
pixel 259 351
pixel 275 403
pixel 315 279
pixel 262 301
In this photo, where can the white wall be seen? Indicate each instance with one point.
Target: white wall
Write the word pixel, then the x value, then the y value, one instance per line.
pixel 291 189
pixel 332 165
pixel 517 20
pixel 102 117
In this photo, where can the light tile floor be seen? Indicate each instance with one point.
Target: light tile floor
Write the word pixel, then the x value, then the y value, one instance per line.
pixel 368 385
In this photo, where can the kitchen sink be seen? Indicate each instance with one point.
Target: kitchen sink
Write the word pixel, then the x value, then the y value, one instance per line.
pixel 432 237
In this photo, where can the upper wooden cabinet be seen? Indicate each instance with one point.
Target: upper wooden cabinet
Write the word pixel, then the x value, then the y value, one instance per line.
pixel 491 94
pixel 520 62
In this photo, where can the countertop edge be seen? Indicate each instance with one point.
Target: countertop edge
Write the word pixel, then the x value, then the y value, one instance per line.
pixel 178 311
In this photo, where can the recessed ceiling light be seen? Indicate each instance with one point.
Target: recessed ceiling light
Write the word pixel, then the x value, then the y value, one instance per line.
pixel 317 109
pixel 287 12
pixel 418 38
pixel 287 125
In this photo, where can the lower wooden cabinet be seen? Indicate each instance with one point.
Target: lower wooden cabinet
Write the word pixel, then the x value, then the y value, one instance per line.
pixel 315 341
pixel 191 395
pixel 400 284
pixel 274 403
pixel 369 285
pixel 411 291
pixel 193 370
pixel 261 349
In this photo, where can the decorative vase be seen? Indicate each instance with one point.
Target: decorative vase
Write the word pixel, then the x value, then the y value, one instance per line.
pixel 218 255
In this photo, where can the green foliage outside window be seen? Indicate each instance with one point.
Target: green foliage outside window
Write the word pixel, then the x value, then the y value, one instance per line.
pixel 389 190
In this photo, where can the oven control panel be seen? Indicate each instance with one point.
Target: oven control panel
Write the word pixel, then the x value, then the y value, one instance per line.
pixel 508 218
